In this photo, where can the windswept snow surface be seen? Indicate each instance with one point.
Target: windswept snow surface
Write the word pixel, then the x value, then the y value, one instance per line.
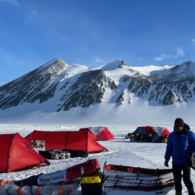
pixel 121 152
pixel 138 112
pixel 75 69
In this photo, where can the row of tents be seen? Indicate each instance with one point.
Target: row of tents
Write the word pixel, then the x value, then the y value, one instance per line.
pixel 17 152
pixel 100 134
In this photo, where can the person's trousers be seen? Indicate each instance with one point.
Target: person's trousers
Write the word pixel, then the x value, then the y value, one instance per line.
pixel 177 173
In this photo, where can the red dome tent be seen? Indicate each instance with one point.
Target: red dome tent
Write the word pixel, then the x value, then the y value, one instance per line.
pixel 17 153
pixel 37 135
pixel 155 131
pixel 101 133
pixel 72 140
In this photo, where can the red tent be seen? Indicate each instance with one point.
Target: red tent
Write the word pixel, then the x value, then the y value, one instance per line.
pixel 163 131
pixel 101 133
pixel 155 131
pixel 37 135
pixel 17 153
pixel 72 140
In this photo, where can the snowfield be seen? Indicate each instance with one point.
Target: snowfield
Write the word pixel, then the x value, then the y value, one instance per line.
pixel 120 152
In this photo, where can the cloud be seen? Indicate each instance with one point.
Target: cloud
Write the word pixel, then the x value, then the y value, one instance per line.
pixel 98 60
pixel 32 15
pixel 179 53
pixel 80 60
pixel 140 59
pixel 13 2
pixel 193 41
pixel 2 83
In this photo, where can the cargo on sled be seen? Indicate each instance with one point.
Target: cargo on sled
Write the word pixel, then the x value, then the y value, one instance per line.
pixel 68 188
pixel 133 178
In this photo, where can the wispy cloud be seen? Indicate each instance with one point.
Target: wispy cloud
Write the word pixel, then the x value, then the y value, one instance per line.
pixel 13 2
pixel 98 60
pixel 179 53
pixel 140 59
pixel 2 83
pixel 193 41
pixel 32 15
pixel 80 60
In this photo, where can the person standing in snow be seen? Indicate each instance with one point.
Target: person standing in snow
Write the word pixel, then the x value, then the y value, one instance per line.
pixel 181 144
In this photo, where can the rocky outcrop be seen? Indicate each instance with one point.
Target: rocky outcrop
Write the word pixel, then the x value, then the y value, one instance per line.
pixel 169 98
pixel 113 85
pixel 123 64
pixel 120 99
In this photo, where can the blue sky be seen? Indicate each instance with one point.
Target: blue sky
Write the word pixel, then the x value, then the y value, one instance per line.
pixel 94 32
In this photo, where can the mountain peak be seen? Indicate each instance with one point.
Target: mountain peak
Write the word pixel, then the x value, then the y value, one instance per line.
pixel 114 65
pixel 53 66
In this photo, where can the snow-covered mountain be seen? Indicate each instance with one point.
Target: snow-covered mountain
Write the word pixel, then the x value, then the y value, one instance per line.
pixel 78 91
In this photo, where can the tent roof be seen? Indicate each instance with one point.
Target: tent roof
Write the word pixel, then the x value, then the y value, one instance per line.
pixel 37 135
pixel 101 133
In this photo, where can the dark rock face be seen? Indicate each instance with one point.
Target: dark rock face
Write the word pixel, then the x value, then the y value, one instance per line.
pixel 120 99
pixel 87 90
pixel 123 64
pixel 161 90
pixel 168 99
pixel 31 87
pixel 113 85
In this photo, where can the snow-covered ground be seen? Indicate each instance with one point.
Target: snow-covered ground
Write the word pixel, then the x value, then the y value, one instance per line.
pixel 121 152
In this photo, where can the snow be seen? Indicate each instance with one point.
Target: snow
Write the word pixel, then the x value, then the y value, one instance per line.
pixel 121 152
pixel 111 66
pixel 151 70
pixel 138 112
pixel 75 69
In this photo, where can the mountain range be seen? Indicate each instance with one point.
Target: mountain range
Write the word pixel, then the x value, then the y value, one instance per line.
pixel 63 90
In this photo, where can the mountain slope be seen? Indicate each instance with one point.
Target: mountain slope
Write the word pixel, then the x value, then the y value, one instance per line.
pixel 58 87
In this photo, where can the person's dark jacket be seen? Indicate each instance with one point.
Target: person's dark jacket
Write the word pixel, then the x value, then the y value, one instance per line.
pixel 180 145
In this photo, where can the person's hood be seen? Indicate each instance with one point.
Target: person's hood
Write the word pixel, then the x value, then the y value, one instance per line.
pixel 186 128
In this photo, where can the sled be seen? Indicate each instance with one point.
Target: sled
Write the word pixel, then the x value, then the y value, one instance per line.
pixel 4 182
pixel 124 177
pixel 70 188
pixel 87 168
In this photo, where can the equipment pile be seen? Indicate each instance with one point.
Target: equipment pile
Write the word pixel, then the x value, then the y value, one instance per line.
pixel 55 154
pixel 38 144
pixel 88 174
pixel 133 137
pixel 149 134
